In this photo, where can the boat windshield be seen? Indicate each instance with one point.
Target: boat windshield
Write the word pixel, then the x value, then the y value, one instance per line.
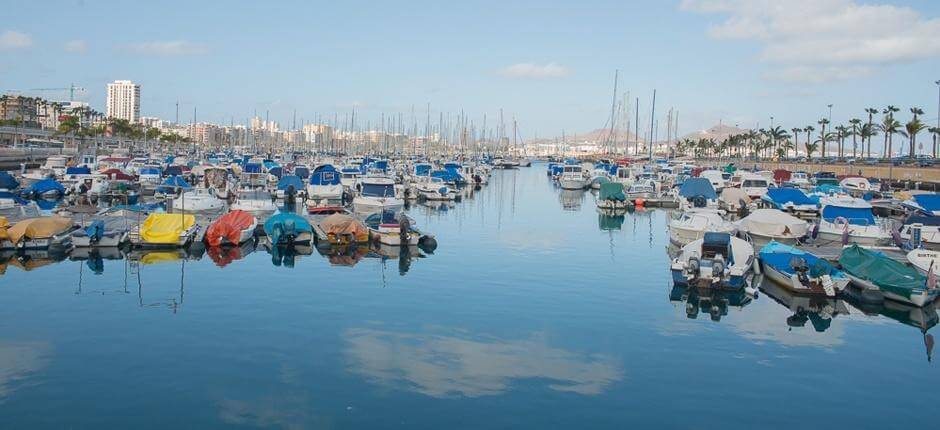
pixel 378 190
pixel 754 183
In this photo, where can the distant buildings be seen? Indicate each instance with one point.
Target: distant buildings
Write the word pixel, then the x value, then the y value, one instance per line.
pixel 123 101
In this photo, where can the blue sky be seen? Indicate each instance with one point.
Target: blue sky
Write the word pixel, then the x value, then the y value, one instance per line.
pixel 548 63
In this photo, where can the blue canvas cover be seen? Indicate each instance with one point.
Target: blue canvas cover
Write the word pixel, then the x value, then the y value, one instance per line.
pixel 855 216
pixel 290 180
pixel 78 170
pixel 172 183
pixel 381 165
pixel 172 171
pixel 95 230
pixel 252 168
pixel 423 169
pixel 783 196
pixel 932 221
pixel 44 186
pixel 150 171
pixel 694 187
pixel 930 202
pixel 8 181
pixel 445 175
pixel 324 174
pixel 302 172
pixel 276 171
pixel 285 224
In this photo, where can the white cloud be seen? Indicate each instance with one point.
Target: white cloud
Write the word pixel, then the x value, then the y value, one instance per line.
pixel 174 47
pixel 535 71
pixel 14 40
pixel 822 40
pixel 76 46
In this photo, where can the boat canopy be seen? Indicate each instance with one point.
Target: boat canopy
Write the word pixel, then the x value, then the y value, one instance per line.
pixel 288 181
pixel 34 228
pixel 45 186
pixel 558 169
pixel 829 189
pixel 932 221
pixel 775 223
pixel 930 202
pixel 117 175
pixel 172 183
pixel 165 228
pixel 78 170
pixel 324 174
pixel 149 171
pixel 445 175
pixel 423 169
pixel 252 168
pixel 276 171
pixel 229 226
pixel 781 256
pixel 782 196
pixel 8 181
pixel 855 216
pixel 695 187
pixel 174 170
pixel 302 171
pixel 612 191
pixel 881 270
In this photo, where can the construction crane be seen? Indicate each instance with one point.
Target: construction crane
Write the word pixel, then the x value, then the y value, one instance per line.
pixel 71 89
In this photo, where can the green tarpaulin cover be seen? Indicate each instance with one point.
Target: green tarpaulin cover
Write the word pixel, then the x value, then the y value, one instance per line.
pixel 887 274
pixel 612 191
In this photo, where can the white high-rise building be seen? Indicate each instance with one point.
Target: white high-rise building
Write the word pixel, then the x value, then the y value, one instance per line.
pixel 124 101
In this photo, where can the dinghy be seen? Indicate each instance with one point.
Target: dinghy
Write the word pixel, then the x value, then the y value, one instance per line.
pixel 851 220
pixel 233 228
pixel 395 229
pixel 339 229
pixel 36 233
pixel 103 232
pixel 690 226
pixel 873 270
pixel 717 260
pixel 612 197
pixel 800 271
pixel 161 230
pixel 287 228
pixel 772 224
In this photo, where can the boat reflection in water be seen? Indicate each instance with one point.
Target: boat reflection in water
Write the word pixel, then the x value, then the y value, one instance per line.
pixel 287 255
pixel 816 309
pixel 29 260
pixel 345 255
pixel 571 200
pixel 610 220
pixel 404 254
pixel 921 318
pixel 713 302
pixel 224 255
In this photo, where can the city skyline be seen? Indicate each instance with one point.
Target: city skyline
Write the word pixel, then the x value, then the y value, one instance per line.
pixel 550 66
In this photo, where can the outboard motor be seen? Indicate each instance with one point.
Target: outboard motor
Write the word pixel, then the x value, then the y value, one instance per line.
pixel 718 267
pixel 801 268
pixel 699 202
pixel 404 230
pixel 694 265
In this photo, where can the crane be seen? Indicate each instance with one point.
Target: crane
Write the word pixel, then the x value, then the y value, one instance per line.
pixel 71 89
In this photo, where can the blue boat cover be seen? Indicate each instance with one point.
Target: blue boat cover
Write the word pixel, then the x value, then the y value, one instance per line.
pixel 172 171
pixel 855 216
pixel 95 230
pixel 423 169
pixel 46 185
pixel 276 171
pixel 78 170
pixel 782 196
pixel 324 174
pixel 149 171
pixel 930 202
pixel 172 183
pixel 829 189
pixel 446 175
pixel 302 172
pixel 381 165
pixel 286 224
pixel 925 220
pixel 694 187
pixel 8 181
pixel 290 180
pixel 779 256
pixel 252 168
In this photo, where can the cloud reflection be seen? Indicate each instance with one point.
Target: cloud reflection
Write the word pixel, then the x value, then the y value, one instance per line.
pixel 18 361
pixel 447 366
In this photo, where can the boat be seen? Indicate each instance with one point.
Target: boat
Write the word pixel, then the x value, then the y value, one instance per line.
pixel 104 232
pixel 717 178
pixel 928 204
pixel 255 201
pixel 800 179
pixel 772 224
pixel 691 226
pixel 573 178
pixel 697 194
pixel 162 230
pixel 856 186
pixel 755 186
pixel 287 228
pixel 432 188
pixel 44 189
pixel 919 230
pixel 289 187
pixel 611 197
pixel 791 200
pixel 851 220
pixel 198 200
pixel 233 228
pixel 394 229
pixel 340 229
pixel 36 233
pixel 377 195
pixel 897 281
pixel 642 189
pixel 924 260
pixel 800 271
pixel 717 260
pixel 325 183
pixel 734 200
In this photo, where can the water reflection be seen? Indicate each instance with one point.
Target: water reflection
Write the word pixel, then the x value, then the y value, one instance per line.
pixel 707 301
pixel 19 360
pixel 453 365
pixel 571 200
pixel 818 310
pixel 921 318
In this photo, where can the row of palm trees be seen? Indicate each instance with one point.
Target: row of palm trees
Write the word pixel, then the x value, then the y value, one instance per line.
pixel 778 142
pixel 85 122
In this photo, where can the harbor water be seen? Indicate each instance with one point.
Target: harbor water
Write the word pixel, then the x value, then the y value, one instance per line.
pixel 534 311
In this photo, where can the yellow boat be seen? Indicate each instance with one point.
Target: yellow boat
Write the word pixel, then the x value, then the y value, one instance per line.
pixel 165 231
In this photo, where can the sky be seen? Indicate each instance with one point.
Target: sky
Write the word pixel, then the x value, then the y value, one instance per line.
pixel 549 64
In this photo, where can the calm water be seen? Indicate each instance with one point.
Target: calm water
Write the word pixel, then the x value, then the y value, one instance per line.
pixel 533 312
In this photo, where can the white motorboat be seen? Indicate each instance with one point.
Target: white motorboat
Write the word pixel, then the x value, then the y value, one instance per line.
pixel 693 225
pixel 642 189
pixel 772 224
pixel 755 186
pixel 921 231
pixel 717 260
pixel 852 219
pixel 254 201
pixel 198 200
pixel 924 259
pixel 431 188
pixel 377 195
pixel 325 183
pixel 856 186
pixel 573 178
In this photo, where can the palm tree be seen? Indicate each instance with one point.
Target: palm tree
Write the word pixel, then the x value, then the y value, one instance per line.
pixel 889 126
pixel 871 112
pixel 808 129
pixel 911 129
pixel 810 149
pixel 935 132
pixel 796 136
pixel 856 129
pixel 841 133
pixel 823 122
pixel 866 133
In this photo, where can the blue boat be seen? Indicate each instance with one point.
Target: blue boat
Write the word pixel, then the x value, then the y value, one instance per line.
pixel 927 204
pixel 288 228
pixel 7 181
pixel 289 185
pixel 699 193
pixel 47 188
pixel 791 200
pixel 800 271
pixel 172 185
